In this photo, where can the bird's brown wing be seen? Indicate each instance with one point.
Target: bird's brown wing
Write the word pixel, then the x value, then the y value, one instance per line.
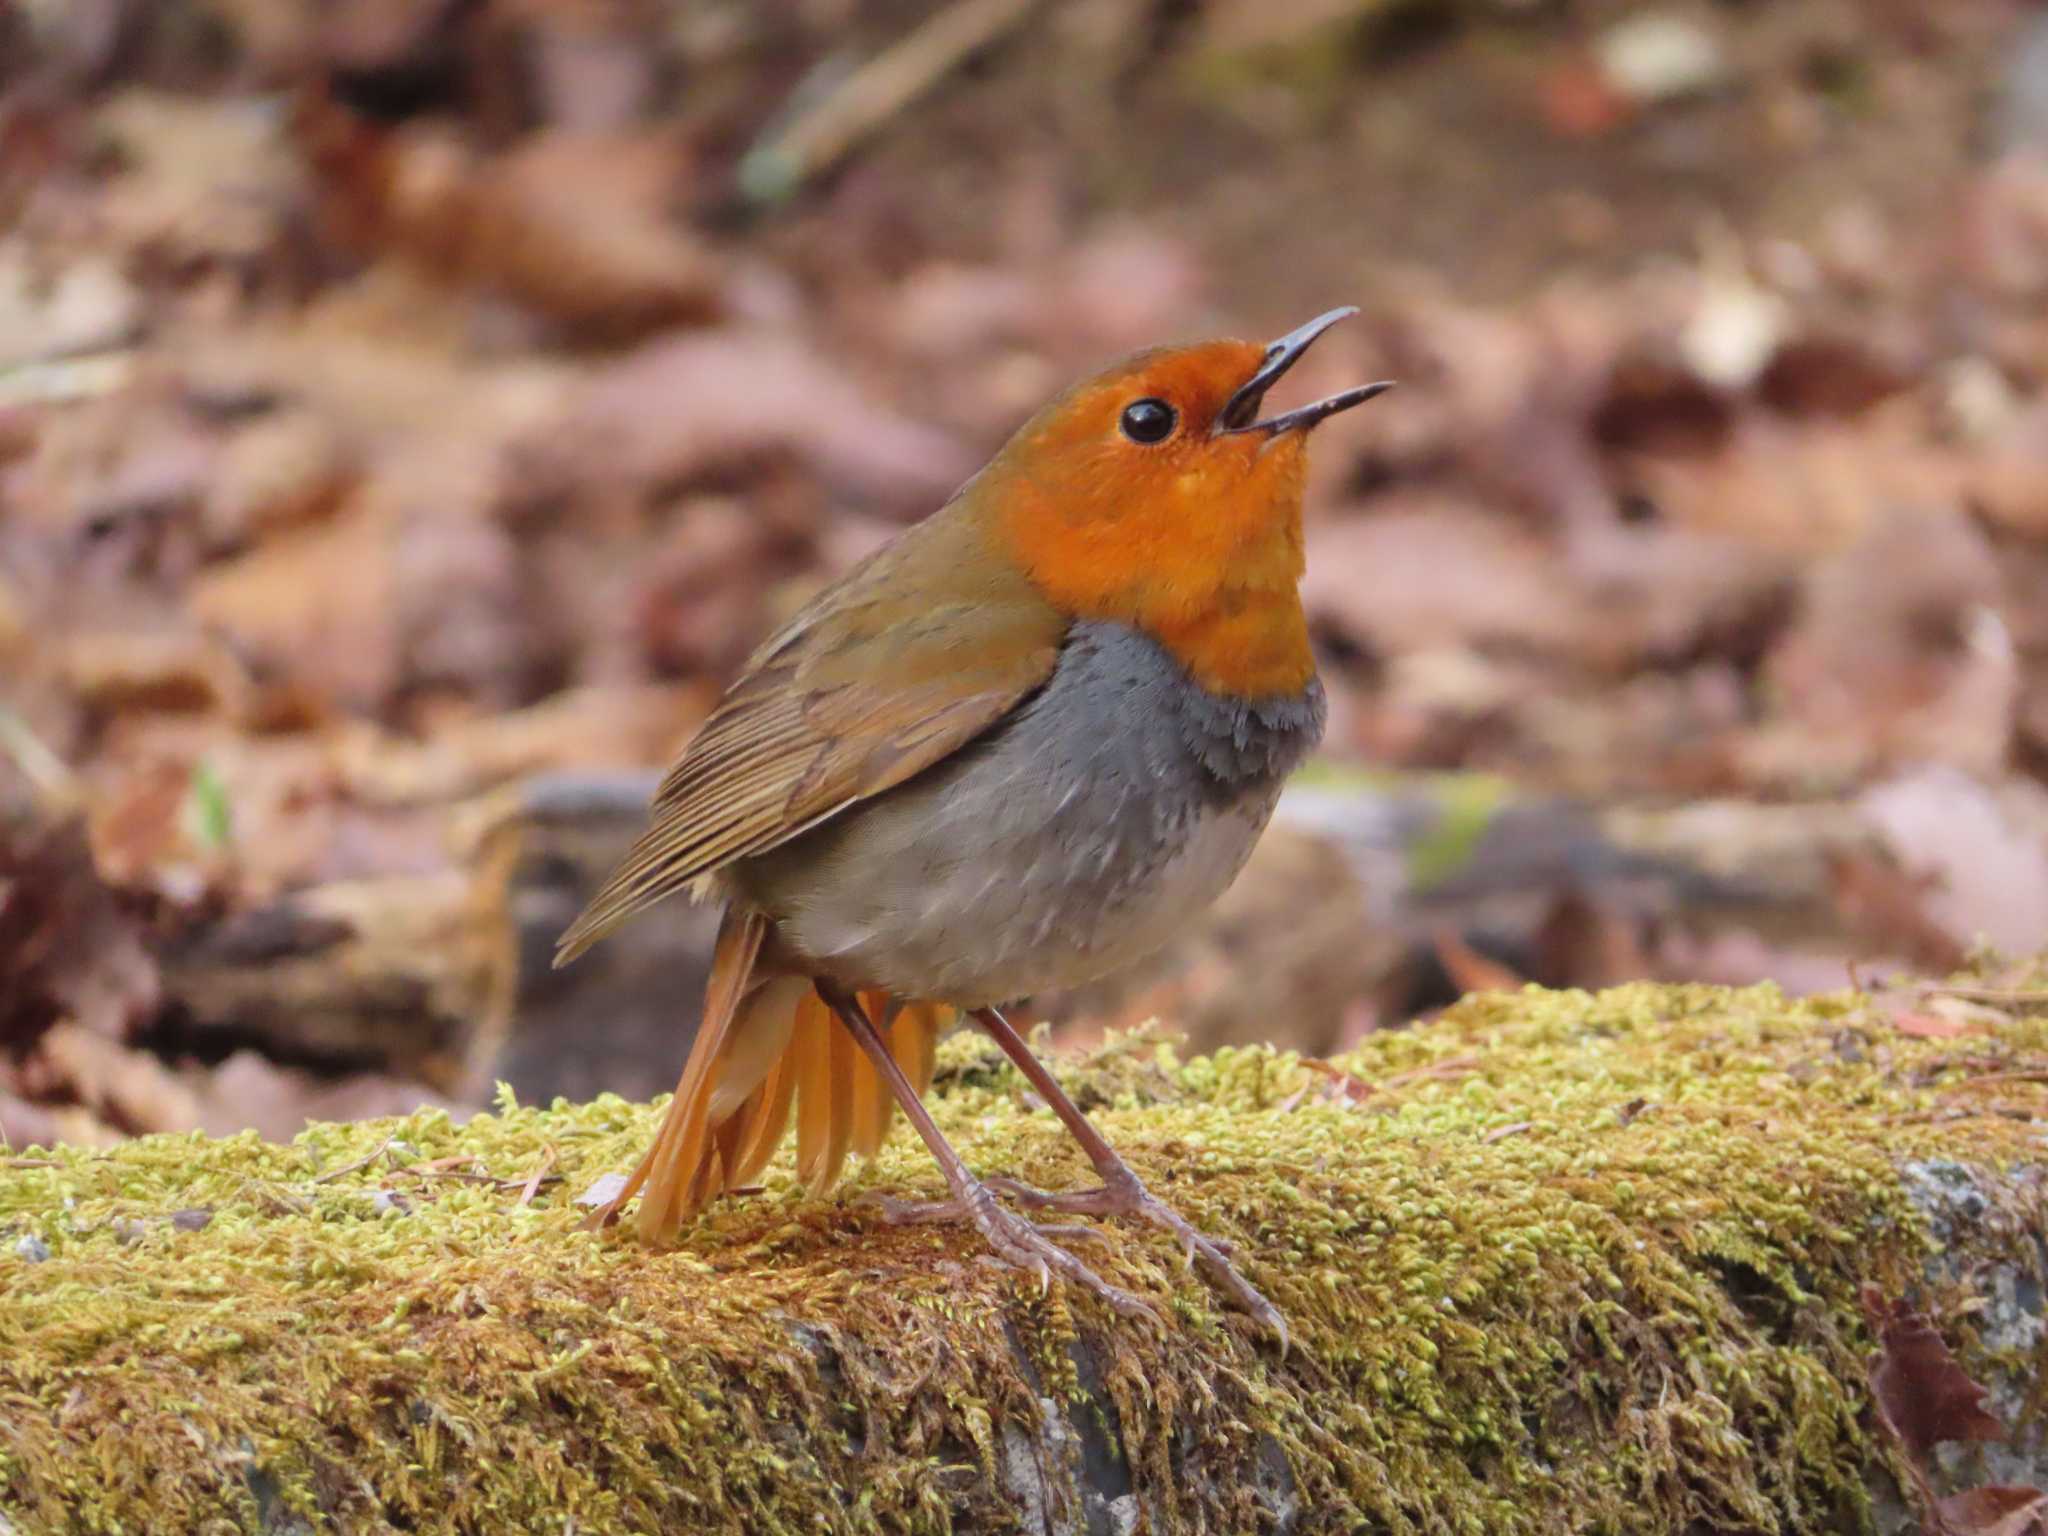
pixel 908 658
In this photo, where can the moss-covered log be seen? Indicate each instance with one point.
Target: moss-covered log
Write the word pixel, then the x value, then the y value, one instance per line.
pixel 1556 1262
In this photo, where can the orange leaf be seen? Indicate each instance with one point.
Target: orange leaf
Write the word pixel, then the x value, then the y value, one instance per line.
pixel 1933 1026
pixel 1469 970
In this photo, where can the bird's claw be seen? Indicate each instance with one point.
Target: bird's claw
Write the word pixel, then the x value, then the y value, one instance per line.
pixel 1122 1194
pixel 1019 1243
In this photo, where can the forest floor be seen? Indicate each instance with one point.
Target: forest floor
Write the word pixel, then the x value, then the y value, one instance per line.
pixel 410 413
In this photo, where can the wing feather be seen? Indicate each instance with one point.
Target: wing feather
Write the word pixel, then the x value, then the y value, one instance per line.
pixel 904 661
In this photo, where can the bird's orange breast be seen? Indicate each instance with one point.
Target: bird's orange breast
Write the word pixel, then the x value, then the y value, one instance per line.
pixel 1207 560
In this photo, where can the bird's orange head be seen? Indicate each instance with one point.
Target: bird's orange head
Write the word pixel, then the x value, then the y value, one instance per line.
pixel 1154 494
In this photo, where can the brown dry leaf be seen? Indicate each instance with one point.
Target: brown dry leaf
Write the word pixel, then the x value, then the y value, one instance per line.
pixel 1977 847
pixel 23 1124
pixel 318 604
pixel 578 728
pixel 126 1087
pixel 1885 910
pixel 249 1092
pixel 1803 489
pixel 1995 1511
pixel 1922 1394
pixel 680 407
pixel 287 467
pixel 1900 653
pixel 593 67
pixel 67 951
pixel 2009 476
pixel 1932 1026
pixel 702 606
pixel 202 181
pixel 1427 573
pixel 1469 970
pixel 175 669
pixel 1829 375
pixel 1583 942
pixel 576 227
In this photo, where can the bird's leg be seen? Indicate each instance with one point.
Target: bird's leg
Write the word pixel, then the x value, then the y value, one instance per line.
pixel 1121 1192
pixel 1014 1240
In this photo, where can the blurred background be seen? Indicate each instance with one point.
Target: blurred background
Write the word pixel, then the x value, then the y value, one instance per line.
pixel 411 411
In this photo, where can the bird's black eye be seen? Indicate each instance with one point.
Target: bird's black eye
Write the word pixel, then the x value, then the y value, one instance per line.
pixel 1148 421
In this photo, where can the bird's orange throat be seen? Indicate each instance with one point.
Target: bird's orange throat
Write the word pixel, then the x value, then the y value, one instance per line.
pixel 1207 566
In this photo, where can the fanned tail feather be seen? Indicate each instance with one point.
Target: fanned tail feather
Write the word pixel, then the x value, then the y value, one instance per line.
pixel 767 1047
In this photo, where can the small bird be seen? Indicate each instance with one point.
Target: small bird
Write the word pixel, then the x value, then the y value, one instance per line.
pixel 1015 749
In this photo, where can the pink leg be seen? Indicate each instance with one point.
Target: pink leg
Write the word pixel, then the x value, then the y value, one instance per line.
pixel 1121 1193
pixel 1014 1240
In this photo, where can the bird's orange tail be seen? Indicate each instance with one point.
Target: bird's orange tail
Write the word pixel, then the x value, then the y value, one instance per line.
pixel 768 1044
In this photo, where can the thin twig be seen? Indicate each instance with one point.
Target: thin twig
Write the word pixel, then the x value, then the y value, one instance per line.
pixel 56 786
pixel 2032 996
pixel 532 1185
pixel 881 88
pixel 359 1164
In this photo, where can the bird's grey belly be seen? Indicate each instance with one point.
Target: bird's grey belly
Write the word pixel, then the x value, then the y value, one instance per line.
pixel 1075 839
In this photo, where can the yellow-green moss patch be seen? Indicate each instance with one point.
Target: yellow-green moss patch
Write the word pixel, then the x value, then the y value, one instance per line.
pixel 1557 1261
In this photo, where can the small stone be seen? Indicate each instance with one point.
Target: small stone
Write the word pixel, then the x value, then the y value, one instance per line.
pixel 194 1220
pixel 31 1249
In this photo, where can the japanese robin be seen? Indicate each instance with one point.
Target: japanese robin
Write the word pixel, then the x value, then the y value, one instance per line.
pixel 1017 748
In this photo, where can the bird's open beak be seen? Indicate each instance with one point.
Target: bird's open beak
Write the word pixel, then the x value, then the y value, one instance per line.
pixel 1238 413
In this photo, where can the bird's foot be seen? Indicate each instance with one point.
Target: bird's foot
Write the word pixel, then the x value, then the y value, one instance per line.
pixel 1123 1194
pixel 1023 1244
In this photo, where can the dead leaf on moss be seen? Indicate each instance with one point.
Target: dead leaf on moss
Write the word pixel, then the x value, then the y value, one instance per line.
pixel 1928 1026
pixel 1995 1511
pixel 1923 1395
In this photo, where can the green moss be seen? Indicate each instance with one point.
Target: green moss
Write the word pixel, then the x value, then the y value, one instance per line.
pixel 1557 1261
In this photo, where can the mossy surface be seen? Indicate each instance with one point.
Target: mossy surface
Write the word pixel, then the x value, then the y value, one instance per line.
pixel 1555 1262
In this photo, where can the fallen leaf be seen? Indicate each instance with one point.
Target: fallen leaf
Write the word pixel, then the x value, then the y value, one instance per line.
pixel 1922 1393
pixel 1995 1510
pixel 1469 970
pixel 577 227
pixel 1930 1026
pixel 682 406
pixel 1885 909
pixel 129 1088
pixel 1978 847
pixel 67 950
pixel 281 606
pixel 1434 573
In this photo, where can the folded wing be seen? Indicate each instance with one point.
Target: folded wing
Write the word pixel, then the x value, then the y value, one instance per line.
pixel 908 658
